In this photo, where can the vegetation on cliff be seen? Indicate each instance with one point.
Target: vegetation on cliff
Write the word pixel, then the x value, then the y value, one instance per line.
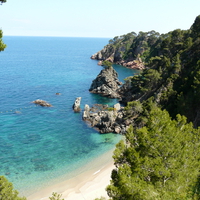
pixel 2 45
pixel 159 160
pixel 147 45
pixel 172 74
pixel 160 156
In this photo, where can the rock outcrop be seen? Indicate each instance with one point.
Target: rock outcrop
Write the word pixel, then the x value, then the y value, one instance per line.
pixel 76 106
pixel 134 64
pixel 106 120
pixel 105 53
pixel 106 83
pixel 117 58
pixel 120 51
pixel 42 103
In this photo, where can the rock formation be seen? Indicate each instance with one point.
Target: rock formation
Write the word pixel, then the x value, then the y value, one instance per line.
pixel 134 64
pixel 106 120
pixel 42 103
pixel 106 83
pixel 76 105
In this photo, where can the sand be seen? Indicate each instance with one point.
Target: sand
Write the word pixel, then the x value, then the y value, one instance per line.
pixel 87 185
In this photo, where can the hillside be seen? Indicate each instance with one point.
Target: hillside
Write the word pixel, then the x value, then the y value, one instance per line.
pixel 171 63
pixel 160 157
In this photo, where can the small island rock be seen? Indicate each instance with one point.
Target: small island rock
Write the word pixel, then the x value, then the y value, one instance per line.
pixel 42 103
pixel 76 105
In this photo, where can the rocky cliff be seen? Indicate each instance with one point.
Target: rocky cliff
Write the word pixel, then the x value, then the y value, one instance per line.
pixel 130 50
pixel 171 77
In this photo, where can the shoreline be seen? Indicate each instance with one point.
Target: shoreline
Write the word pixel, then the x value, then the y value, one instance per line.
pixel 89 184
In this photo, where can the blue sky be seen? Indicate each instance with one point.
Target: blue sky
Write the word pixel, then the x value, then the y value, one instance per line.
pixel 95 18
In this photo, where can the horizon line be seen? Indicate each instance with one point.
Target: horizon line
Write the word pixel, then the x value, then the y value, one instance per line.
pixel 54 36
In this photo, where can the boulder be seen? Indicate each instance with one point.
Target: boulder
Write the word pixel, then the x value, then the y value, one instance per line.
pixel 76 106
pixel 117 129
pixel 117 107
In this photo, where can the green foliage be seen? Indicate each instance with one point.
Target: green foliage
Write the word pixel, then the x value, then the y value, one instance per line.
pixel 196 27
pixel 151 79
pixel 102 198
pixel 107 63
pixel 7 191
pixel 110 109
pixel 195 190
pixel 2 1
pixel 133 109
pixel 159 161
pixel 172 73
pixel 56 196
pixel 2 45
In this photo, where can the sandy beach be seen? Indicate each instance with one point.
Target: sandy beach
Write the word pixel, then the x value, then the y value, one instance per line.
pixel 87 185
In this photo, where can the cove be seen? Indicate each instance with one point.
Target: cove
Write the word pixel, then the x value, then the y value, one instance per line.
pixel 38 144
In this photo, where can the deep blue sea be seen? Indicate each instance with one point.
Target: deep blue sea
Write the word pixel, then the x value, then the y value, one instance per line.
pixel 39 144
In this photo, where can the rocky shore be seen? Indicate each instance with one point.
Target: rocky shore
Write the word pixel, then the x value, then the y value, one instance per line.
pixel 115 56
pixel 106 119
pixel 101 117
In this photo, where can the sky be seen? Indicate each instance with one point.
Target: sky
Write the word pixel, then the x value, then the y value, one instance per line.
pixel 95 18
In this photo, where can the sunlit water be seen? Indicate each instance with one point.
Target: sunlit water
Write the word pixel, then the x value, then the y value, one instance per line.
pixel 38 144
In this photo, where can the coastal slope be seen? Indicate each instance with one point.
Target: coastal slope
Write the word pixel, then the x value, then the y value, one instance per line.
pixel 171 68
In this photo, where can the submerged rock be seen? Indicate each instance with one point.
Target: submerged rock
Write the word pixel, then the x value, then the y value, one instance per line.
pixel 17 112
pixel 106 83
pixel 76 105
pixel 42 103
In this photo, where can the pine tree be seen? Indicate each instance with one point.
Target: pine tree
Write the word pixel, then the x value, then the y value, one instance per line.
pixel 158 161
pixel 2 45
pixel 7 191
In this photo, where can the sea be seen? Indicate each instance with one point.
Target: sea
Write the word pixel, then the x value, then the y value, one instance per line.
pixel 40 144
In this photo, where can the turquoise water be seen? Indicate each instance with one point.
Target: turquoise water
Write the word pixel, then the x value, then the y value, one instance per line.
pixel 39 144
